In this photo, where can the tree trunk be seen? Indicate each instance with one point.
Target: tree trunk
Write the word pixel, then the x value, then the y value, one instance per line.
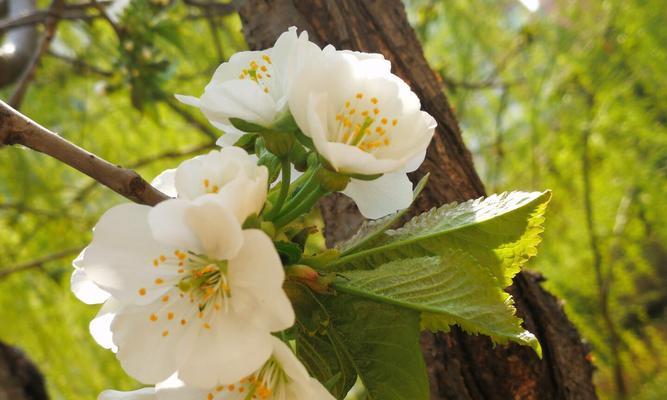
pixel 460 366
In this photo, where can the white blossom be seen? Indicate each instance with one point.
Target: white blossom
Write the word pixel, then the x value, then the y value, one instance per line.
pixel 363 120
pixel 231 173
pixel 282 377
pixel 253 85
pixel 193 292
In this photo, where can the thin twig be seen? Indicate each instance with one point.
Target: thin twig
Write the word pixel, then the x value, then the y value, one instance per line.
pixel 83 193
pixel 190 118
pixel 103 13
pixel 69 12
pixel 29 73
pixel 15 128
pixel 80 64
pixel 39 262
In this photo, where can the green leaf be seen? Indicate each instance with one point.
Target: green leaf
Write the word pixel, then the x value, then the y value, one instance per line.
pixel 290 253
pixel 501 232
pixel 246 142
pixel 246 126
pixel 354 339
pixel 448 289
pixel 320 351
pixel 371 229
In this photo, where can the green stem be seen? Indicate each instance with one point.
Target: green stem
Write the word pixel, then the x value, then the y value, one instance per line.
pixel 311 183
pixel 286 171
pixel 305 205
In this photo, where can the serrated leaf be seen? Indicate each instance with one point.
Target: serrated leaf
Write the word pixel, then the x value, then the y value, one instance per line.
pixel 371 229
pixel 501 232
pixel 448 289
pixel 322 355
pixel 354 339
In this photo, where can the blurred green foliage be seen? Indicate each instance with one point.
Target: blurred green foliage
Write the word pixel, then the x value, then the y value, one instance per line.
pixel 575 89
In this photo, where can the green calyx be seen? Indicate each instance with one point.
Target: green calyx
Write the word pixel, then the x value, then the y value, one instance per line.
pixel 332 181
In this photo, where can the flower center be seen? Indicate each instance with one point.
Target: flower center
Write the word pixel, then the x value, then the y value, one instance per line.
pixel 259 71
pixel 269 383
pixel 201 278
pixel 206 283
pixel 360 123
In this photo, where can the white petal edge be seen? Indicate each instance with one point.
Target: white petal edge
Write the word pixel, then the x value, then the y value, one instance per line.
pixel 382 196
pixel 85 289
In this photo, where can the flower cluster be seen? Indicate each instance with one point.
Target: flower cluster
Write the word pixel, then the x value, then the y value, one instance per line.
pixel 192 288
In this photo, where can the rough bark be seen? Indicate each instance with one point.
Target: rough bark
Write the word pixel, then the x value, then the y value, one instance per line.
pixel 19 378
pixel 460 366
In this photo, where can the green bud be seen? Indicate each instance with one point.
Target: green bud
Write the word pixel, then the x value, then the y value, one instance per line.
pixel 278 143
pixel 332 181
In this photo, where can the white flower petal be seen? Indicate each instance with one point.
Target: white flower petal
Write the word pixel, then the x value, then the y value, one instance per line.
pixel 100 326
pixel 241 196
pixel 120 259
pixel 154 340
pixel 141 394
pixel 84 288
pixel 189 100
pixel 218 230
pixel 229 138
pixel 168 225
pixel 209 173
pixel 301 386
pixel 382 196
pixel 185 393
pixel 165 182
pixel 256 277
pixel 229 351
pixel 242 99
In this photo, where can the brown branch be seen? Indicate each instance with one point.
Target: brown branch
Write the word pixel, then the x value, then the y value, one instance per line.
pixel 83 193
pixel 16 128
pixel 50 26
pixel 38 262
